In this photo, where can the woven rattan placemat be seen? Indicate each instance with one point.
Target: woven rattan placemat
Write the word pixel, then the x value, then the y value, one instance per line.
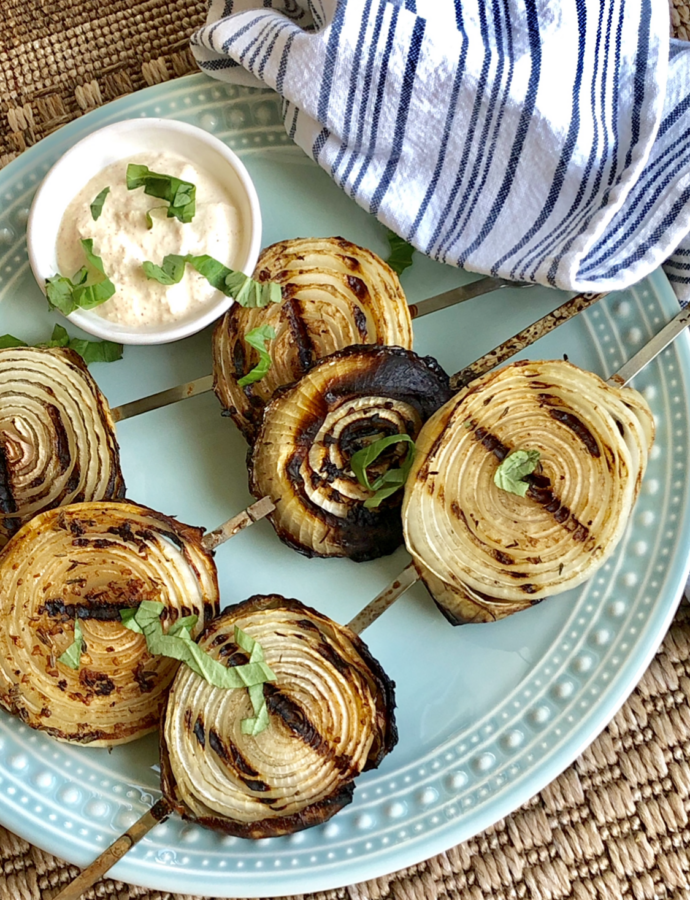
pixel 615 824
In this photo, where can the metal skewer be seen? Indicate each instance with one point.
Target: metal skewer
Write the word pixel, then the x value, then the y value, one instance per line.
pixel 417 310
pixel 383 601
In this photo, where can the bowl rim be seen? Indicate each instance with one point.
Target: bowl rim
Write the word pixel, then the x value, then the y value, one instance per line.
pixel 94 324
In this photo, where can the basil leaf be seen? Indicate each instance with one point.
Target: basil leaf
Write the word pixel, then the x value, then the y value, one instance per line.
pixel 90 351
pixel 149 217
pixel 8 340
pixel 179 645
pixel 170 272
pixel 511 472
pixel 391 480
pixel 257 338
pixel 59 290
pixel 96 351
pixel 67 294
pixel 400 256
pixel 72 655
pixel 97 205
pixel 243 289
pixel 180 195
pixel 129 620
pixel 92 258
pixel 363 458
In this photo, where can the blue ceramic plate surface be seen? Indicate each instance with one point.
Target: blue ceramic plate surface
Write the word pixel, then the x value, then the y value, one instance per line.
pixel 488 715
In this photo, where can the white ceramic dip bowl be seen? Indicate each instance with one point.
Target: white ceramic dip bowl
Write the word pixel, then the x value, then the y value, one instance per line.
pixel 120 141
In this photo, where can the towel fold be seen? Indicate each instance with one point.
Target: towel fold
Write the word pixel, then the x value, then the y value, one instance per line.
pixel 540 141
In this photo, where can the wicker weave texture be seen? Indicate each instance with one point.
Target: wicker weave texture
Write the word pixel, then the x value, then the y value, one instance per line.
pixel 615 824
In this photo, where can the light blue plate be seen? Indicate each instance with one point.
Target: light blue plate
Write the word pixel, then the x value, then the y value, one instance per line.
pixel 488 714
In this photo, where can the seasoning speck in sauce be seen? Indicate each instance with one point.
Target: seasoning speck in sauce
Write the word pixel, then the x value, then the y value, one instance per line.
pixel 123 241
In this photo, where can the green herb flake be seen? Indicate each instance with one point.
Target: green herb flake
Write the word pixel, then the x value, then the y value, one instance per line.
pixel 97 205
pixel 243 289
pixel 72 655
pixel 149 217
pixel 400 256
pixel 67 294
pixel 510 475
pixel 391 480
pixel 257 338
pixel 178 644
pixel 9 340
pixel 90 351
pixel 180 195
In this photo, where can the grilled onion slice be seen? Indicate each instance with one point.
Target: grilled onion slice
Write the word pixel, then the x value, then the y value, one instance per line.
pixel 89 561
pixel 311 430
pixel 331 717
pixel 334 294
pixel 57 437
pixel 484 552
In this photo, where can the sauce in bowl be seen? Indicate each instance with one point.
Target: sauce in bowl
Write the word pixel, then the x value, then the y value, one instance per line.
pixel 123 240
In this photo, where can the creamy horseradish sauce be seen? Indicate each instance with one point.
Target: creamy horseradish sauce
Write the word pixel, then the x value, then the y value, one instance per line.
pixel 123 241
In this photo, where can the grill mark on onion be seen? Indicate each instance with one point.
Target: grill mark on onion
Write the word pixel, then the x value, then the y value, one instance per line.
pixel 232 757
pixel 295 718
pixel 100 610
pixel 578 428
pixel 60 441
pixel 7 502
pixel 98 682
pixel 199 732
pixel 360 323
pixel 298 330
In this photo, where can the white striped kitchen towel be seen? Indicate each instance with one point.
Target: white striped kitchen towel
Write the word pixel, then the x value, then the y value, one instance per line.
pixel 542 140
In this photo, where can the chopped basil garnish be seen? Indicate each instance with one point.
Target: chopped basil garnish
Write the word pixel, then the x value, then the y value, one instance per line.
pixel 243 289
pixel 149 217
pixel 178 644
pixel 510 474
pixel 68 294
pixel 97 205
pixel 180 195
pixel 400 257
pixel 391 480
pixel 257 338
pixel 72 655
pixel 90 351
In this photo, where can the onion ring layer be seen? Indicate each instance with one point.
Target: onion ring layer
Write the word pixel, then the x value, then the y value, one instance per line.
pixel 57 437
pixel 485 552
pixel 311 430
pixel 88 562
pixel 334 294
pixel 331 717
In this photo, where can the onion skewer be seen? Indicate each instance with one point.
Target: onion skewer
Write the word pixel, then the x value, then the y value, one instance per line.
pixel 163 808
pixel 366 616
pixel 410 574
pixel 335 294
pixel 76 569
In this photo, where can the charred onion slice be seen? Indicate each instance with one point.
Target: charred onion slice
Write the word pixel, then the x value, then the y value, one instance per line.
pixel 331 717
pixel 90 561
pixel 310 432
pixel 484 552
pixel 334 294
pixel 57 438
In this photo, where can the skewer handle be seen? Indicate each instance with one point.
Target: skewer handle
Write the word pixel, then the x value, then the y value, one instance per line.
pixel 230 528
pixel 158 813
pixel 523 339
